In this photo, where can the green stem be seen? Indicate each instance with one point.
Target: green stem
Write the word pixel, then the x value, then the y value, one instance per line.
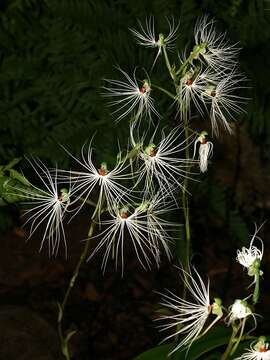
pixel 168 64
pixel 256 292
pixel 64 341
pixel 230 344
pixel 164 91
pixel 185 201
pixel 87 201
pixel 182 68
pixel 239 337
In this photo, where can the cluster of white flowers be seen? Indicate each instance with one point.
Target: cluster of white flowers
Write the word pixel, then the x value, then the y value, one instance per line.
pixel 190 317
pixel 143 185
pixel 211 77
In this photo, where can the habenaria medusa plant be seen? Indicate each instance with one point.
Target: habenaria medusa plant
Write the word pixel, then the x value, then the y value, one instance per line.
pixel 132 199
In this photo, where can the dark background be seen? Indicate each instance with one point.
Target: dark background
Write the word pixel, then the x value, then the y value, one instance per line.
pixel 53 57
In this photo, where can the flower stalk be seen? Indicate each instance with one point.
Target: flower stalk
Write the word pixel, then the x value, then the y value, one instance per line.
pixel 64 340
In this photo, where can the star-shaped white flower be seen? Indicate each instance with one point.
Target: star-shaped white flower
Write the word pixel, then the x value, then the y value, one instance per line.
pixel 221 96
pixel 190 315
pixel 130 97
pixel 142 225
pixel 163 164
pixel 107 181
pixel 147 37
pixel 213 47
pixel 48 207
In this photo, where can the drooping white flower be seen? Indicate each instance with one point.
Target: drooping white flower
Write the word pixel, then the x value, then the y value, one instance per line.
pixel 142 226
pixel 107 181
pixel 205 151
pixel 213 47
pixel 147 37
pixel 48 207
pixel 130 98
pixel 163 164
pixel 190 315
pixel 258 351
pixel 248 256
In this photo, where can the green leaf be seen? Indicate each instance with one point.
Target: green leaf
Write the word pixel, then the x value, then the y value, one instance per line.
pixel 14 174
pixel 216 338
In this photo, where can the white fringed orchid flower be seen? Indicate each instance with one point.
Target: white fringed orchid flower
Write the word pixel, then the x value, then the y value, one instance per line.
pixel 163 164
pixel 142 225
pixel 130 98
pixel 190 90
pixel 258 351
pixel 48 207
pixel 108 181
pixel 239 310
pixel 146 36
pixel 223 102
pixel 250 258
pixel 213 47
pixel 190 315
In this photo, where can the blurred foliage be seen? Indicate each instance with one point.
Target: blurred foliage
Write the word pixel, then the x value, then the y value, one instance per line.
pixel 54 55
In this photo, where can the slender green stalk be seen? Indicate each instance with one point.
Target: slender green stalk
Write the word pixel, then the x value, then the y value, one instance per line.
pixel 164 90
pixel 62 306
pixel 231 343
pixel 239 337
pixel 256 292
pixel 185 201
pixel 168 64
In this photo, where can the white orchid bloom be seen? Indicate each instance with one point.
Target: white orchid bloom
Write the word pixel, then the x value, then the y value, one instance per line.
pixel 107 181
pixel 147 37
pixel 248 256
pixel 130 98
pixel 213 47
pixel 190 315
pixel 258 351
pixel 48 207
pixel 142 225
pixel 205 150
pixel 163 164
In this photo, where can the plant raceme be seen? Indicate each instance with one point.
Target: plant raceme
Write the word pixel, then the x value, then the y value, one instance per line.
pixel 133 198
